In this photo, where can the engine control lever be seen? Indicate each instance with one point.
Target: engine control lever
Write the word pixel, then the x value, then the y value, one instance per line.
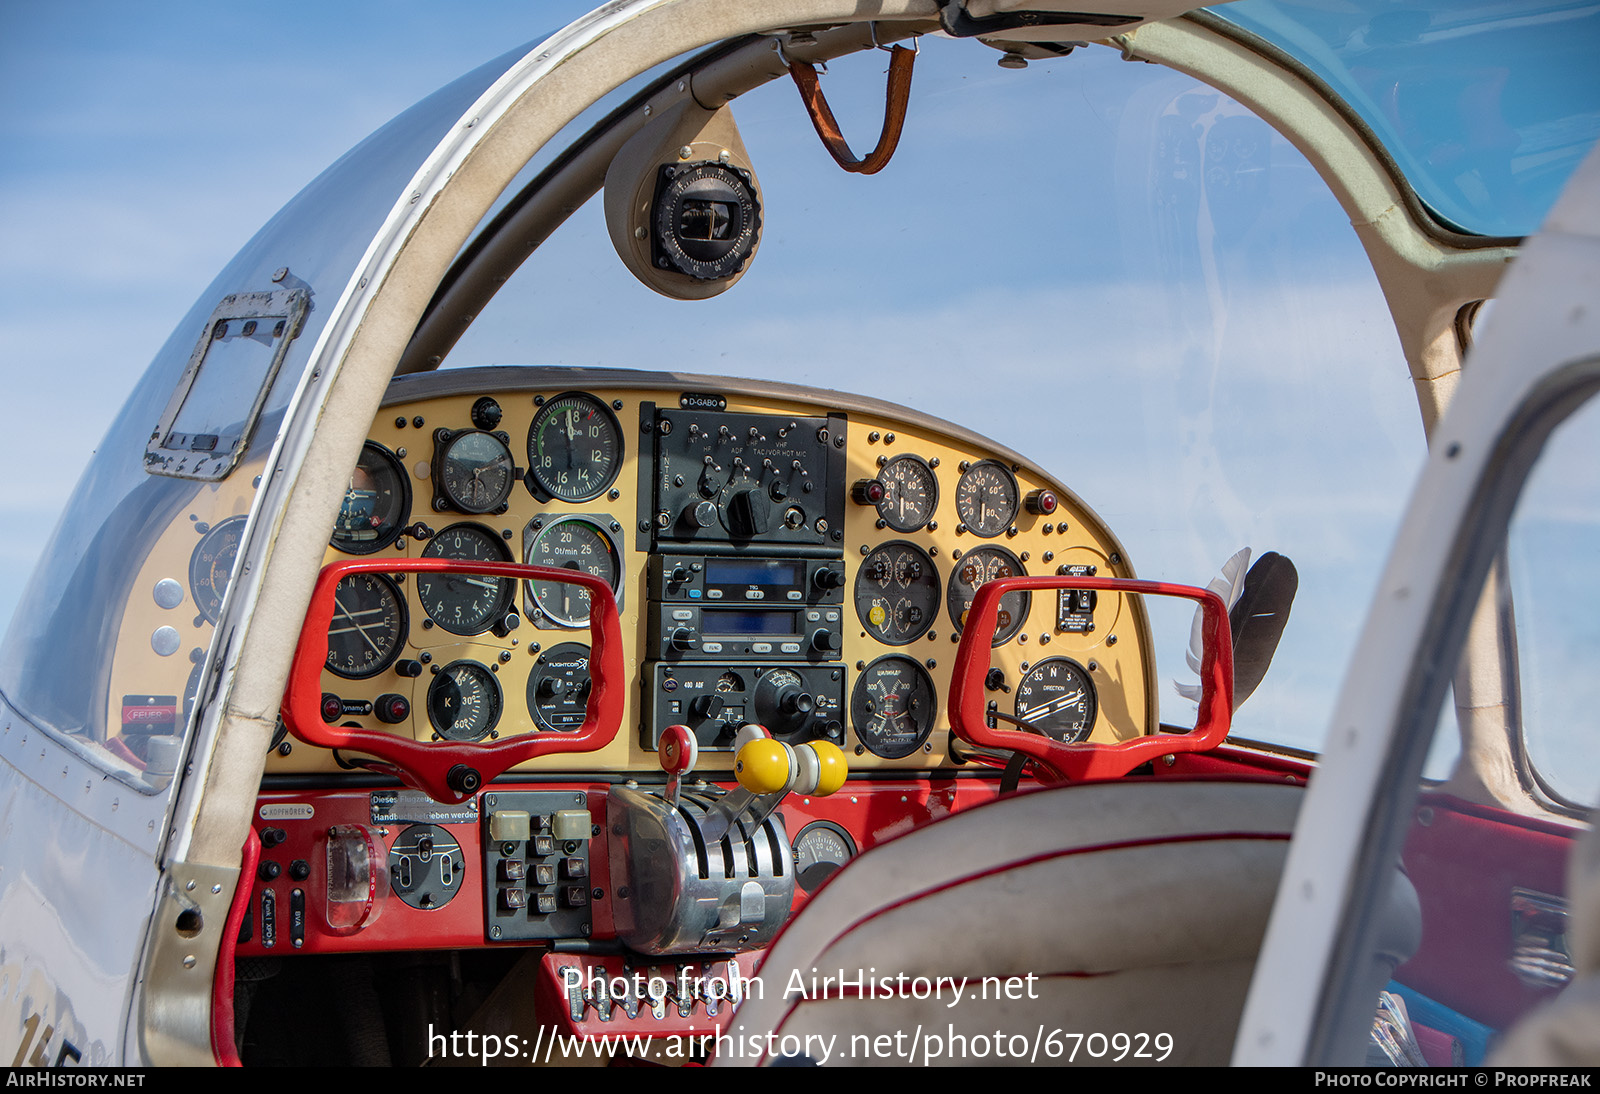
pixel 678 751
pixel 767 771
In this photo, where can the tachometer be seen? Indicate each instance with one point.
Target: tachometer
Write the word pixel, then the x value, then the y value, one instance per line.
pixel 368 627
pixel 971 570
pixel 1056 697
pixel 473 470
pixel 987 498
pixel 897 593
pixel 574 447
pixel 571 544
pixel 376 503
pixel 910 493
pixel 211 564
pixel 464 701
pixel 466 603
pixel 892 707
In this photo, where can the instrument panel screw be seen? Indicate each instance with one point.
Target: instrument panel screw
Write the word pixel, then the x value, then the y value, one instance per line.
pixel 505 655
pixel 888 438
pixel 494 932
pixel 614 495
pixel 400 422
pixel 417 422
pixel 285 748
pixel 1116 559
pixel 872 438
pixel 1111 640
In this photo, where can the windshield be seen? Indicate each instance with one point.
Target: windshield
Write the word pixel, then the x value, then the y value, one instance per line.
pixel 1487 107
pixel 1143 289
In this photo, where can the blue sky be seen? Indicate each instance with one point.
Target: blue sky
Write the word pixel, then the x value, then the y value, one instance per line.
pixel 1011 270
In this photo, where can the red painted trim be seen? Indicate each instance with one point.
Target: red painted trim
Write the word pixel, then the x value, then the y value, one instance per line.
pixel 968 696
pixel 222 983
pixel 427 765
pixel 1017 864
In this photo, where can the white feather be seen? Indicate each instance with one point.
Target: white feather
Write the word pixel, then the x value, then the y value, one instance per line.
pixel 1229 585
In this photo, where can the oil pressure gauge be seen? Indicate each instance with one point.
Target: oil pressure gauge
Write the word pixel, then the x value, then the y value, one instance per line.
pixel 987 498
pixel 910 493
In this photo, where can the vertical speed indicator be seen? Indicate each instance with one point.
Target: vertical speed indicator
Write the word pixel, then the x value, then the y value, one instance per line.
pixel 574 448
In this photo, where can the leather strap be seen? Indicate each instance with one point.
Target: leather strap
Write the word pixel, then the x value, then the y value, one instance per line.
pixel 896 97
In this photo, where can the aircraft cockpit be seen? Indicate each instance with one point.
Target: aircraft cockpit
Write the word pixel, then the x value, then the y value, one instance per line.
pixel 828 527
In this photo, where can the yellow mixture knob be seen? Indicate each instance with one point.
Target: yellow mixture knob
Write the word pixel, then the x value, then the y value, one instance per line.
pixel 762 767
pixel 830 757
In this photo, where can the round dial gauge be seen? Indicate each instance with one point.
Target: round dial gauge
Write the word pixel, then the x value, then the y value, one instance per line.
pixel 464 701
pixel 1057 698
pixel 910 493
pixel 466 603
pixel 574 447
pixel 474 470
pixel 211 565
pixel 821 848
pixel 971 570
pixel 987 499
pixel 376 503
pixel 892 707
pixel 368 627
pixel 897 593
pixel 558 687
pixel 572 544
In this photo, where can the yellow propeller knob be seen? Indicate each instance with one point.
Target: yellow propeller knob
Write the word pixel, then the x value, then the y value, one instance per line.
pixel 762 767
pixel 830 758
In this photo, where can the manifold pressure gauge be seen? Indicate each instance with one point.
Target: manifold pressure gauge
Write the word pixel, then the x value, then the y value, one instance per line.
pixel 705 220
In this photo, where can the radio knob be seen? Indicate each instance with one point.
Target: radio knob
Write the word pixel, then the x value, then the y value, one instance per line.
pixel 706 706
pixel 829 578
pixel 678 576
pixel 684 639
pixel 794 701
pixel 824 641
pixel 703 514
pixel 749 514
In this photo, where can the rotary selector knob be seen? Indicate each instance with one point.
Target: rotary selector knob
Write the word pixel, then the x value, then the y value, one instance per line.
pixel 685 639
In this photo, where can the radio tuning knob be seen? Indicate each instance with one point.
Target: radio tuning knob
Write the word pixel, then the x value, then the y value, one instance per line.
pixel 685 639
pixel 828 578
pixel 824 641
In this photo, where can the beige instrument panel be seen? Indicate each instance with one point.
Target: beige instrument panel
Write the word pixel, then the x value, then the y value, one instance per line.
pixel 1115 651
pixel 1109 641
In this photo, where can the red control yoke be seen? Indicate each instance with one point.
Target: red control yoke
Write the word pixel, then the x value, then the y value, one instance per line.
pixel 1086 760
pixel 451 771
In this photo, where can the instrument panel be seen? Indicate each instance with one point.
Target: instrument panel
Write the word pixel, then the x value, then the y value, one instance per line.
pixel 797 558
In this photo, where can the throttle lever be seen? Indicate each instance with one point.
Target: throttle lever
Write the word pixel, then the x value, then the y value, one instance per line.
pixel 767 771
